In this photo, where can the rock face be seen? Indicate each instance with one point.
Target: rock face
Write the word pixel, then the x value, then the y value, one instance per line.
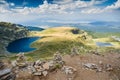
pixel 6 73
pixel 10 32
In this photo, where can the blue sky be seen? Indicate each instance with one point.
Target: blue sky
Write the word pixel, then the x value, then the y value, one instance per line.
pixel 34 12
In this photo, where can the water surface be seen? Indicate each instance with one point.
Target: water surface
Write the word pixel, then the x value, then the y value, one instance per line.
pixel 21 45
pixel 103 44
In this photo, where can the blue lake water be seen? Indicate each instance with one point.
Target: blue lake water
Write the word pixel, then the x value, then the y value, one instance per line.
pixel 30 28
pixel 21 45
pixel 102 44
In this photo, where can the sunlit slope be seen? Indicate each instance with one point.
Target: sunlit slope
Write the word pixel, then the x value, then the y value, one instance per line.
pixel 61 39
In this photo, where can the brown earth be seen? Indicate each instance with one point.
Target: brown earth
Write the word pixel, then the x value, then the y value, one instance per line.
pixel 82 73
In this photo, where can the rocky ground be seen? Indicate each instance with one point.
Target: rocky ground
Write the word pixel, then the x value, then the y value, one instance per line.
pixel 70 67
pixel 76 66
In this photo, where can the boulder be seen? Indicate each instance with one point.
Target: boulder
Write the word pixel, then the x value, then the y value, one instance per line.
pixel 10 76
pixel 21 61
pixel 46 66
pixel 90 66
pixel 74 51
pixel 45 73
pixel 37 74
pixel 4 72
pixel 109 67
pixel 57 56
pixel 51 63
pixel 68 70
pixel 1 64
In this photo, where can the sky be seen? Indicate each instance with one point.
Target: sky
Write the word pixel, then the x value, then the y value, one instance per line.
pixel 34 12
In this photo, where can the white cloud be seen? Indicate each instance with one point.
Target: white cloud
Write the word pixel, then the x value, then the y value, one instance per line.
pixel 12 4
pixel 110 8
pixel 114 6
pixel 92 11
pixel 66 6
pixel 62 1
pixel 60 11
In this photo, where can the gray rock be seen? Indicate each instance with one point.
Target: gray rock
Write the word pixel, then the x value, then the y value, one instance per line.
pixel 46 66
pixel 37 74
pixel 109 67
pixel 57 56
pixel 68 70
pixel 10 76
pixel 4 72
pixel 45 73
pixel 99 70
pixel 74 51
pixel 1 64
pixel 90 66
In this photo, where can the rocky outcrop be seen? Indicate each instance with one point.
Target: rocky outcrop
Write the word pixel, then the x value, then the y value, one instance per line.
pixel 10 32
pixel 6 73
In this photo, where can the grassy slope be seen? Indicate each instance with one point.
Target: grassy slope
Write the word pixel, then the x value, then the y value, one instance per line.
pixel 102 34
pixel 59 39
pixel 106 37
pixel 63 39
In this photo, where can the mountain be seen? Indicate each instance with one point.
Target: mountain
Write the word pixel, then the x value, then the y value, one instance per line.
pixel 98 26
pixel 60 39
pixel 32 28
pixel 10 32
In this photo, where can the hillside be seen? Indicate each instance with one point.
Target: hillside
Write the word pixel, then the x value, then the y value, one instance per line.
pixel 86 67
pixel 62 53
pixel 10 32
pixel 61 39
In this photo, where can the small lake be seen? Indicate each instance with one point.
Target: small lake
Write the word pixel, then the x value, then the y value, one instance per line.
pixel 21 45
pixel 30 28
pixel 103 44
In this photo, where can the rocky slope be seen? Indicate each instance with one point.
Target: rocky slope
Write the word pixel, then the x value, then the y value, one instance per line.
pixel 10 32
pixel 78 67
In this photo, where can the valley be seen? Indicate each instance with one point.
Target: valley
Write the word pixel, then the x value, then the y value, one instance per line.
pixel 56 50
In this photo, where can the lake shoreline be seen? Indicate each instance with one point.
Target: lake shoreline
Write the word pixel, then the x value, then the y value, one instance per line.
pixel 28 42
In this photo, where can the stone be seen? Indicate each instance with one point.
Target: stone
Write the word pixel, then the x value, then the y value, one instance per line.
pixel 46 66
pixel 1 65
pixel 100 62
pixel 74 51
pixel 21 61
pixel 4 72
pixel 68 70
pixel 38 62
pixel 21 57
pixel 39 68
pixel 90 66
pixel 99 70
pixel 57 56
pixel 14 63
pixel 37 74
pixel 10 76
pixel 51 63
pixel 109 67
pixel 45 73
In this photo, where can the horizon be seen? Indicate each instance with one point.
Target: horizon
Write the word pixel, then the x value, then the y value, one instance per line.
pixel 36 12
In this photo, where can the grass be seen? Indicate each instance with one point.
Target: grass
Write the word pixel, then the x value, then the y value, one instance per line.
pixel 60 39
pixel 106 37
pixel 103 35
pixel 116 44
pixel 63 39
